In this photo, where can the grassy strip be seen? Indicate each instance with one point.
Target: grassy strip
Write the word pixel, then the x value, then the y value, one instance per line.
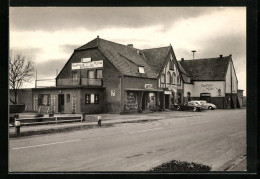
pixel 178 166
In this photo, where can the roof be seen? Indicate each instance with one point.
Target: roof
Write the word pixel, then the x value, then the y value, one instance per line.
pixel 206 69
pixel 125 59
pixel 156 57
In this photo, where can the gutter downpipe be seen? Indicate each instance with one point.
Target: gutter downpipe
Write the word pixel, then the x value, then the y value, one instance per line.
pixel 121 92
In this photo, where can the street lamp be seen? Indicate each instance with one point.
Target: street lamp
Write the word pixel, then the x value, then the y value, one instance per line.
pixel 193 51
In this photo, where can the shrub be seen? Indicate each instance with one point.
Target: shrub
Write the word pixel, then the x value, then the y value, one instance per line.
pixel 179 166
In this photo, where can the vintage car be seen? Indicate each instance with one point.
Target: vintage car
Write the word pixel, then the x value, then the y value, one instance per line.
pixel 208 105
pixel 190 106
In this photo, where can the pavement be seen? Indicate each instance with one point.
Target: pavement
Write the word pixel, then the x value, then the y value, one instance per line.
pixel 135 142
pixel 89 121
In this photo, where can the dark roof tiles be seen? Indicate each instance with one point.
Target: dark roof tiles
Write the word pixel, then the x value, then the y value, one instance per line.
pixel 206 69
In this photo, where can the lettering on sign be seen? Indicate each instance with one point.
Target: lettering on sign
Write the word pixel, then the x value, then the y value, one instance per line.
pixel 148 86
pixel 85 60
pixel 209 87
pixel 88 65
pixel 113 92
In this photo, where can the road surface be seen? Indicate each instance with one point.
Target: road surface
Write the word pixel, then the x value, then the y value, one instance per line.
pixel 211 138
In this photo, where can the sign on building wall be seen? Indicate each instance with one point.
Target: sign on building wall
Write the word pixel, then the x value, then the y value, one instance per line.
pixel 167 92
pixel 148 86
pixel 85 60
pixel 113 92
pixel 88 65
pixel 213 88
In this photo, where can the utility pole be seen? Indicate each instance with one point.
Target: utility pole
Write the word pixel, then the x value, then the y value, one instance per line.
pixel 193 51
pixel 35 79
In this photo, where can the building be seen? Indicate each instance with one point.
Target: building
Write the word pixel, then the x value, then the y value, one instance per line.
pixel 211 79
pixel 106 77
pixel 241 98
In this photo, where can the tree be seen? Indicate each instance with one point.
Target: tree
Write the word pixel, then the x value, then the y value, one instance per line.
pixel 21 70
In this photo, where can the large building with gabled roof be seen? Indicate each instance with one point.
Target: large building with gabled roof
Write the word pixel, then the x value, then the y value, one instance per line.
pixel 211 79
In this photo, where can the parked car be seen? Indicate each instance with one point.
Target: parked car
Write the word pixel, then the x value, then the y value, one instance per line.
pixel 201 104
pixel 193 106
pixel 208 105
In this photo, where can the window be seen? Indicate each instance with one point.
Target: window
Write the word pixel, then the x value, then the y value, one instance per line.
pixel 168 78
pixel 44 99
pixel 173 78
pixel 99 74
pixel 171 65
pixel 131 102
pixel 162 78
pixel 178 80
pixel 68 97
pixel 141 69
pixel 91 74
pixel 96 99
pixel 91 98
pixel 75 76
pixel 87 98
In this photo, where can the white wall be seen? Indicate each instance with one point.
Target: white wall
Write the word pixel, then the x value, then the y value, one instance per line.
pixel 212 87
pixel 228 79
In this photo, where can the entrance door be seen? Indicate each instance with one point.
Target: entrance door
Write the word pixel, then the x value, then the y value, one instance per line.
pixel 61 103
pixel 144 100
pixel 167 101
pixel 206 97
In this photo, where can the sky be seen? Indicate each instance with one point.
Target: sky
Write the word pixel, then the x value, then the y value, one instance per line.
pixel 48 35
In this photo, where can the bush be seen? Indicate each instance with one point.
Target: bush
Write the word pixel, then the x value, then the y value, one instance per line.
pixel 178 166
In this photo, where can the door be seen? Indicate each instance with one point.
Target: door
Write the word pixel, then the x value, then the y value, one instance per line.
pixel 167 101
pixel 205 97
pixel 144 101
pixel 61 103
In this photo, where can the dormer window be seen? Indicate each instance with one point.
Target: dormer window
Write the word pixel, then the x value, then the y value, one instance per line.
pixel 141 69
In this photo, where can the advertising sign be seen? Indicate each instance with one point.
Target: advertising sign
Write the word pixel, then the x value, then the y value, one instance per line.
pixel 88 65
pixel 167 92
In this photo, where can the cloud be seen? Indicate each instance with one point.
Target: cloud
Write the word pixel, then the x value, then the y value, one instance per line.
pixel 96 18
pixel 49 68
pixel 69 48
pixel 30 53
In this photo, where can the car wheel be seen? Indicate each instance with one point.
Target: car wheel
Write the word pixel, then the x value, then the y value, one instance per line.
pixel 210 107
pixel 194 109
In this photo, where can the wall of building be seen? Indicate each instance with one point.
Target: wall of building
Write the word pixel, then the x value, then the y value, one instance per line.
pixel 54 94
pixel 188 88
pixel 215 88
pixel 231 76
pixel 24 96
pixel 111 82
pixel 92 108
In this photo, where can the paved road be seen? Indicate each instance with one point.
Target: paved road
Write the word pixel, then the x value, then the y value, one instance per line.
pixel 211 137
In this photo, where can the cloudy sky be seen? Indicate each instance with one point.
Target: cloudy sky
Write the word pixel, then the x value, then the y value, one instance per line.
pixel 48 35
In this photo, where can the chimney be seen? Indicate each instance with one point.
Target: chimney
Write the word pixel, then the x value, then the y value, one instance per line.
pixel 182 59
pixel 130 45
pixel 220 56
pixel 97 40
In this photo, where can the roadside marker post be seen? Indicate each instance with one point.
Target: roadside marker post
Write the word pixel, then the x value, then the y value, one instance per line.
pixel 99 120
pixel 17 127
